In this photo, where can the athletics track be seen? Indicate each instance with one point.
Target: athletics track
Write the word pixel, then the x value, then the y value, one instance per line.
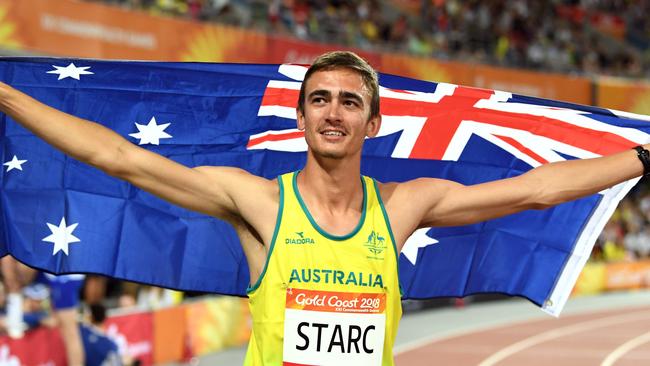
pixel 605 330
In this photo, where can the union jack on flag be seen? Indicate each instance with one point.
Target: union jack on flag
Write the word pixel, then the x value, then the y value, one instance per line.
pixel 66 217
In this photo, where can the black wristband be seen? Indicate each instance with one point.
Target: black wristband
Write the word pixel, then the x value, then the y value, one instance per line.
pixel 644 156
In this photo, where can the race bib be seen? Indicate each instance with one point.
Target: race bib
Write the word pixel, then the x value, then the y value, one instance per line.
pixel 333 328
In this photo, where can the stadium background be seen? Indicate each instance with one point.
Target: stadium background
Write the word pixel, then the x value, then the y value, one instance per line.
pixel 587 52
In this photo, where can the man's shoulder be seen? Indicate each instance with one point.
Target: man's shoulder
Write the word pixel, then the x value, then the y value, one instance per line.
pixel 235 175
pixel 388 190
pixel 245 188
pixel 410 189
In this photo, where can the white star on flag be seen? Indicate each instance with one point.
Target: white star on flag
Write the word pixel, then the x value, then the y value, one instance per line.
pixel 70 71
pixel 151 133
pixel 14 164
pixel 61 236
pixel 419 239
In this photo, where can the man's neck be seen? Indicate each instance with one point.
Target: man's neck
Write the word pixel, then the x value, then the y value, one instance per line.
pixel 334 186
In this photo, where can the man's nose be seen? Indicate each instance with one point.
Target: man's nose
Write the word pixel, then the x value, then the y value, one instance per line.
pixel 334 111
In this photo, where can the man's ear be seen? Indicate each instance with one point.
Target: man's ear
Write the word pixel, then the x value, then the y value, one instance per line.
pixel 300 120
pixel 373 126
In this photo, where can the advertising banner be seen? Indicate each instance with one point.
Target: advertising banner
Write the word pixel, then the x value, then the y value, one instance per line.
pixel 623 95
pixel 592 280
pixel 93 30
pixel 217 323
pixel 627 275
pixel 133 334
pixel 295 51
pixel 535 84
pixel 169 337
pixel 50 350
pixel 156 337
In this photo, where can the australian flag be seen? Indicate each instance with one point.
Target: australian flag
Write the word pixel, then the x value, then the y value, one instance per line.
pixel 62 216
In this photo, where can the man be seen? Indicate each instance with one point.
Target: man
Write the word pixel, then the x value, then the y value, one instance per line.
pixel 99 349
pixel 322 243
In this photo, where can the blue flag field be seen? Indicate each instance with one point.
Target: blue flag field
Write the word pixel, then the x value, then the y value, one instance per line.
pixel 62 216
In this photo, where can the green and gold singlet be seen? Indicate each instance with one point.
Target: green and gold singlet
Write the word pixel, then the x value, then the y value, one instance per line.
pixel 324 299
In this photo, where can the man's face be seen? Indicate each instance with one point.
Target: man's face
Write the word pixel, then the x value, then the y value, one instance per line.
pixel 335 116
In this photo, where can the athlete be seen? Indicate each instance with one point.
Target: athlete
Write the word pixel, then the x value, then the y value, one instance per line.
pixel 322 243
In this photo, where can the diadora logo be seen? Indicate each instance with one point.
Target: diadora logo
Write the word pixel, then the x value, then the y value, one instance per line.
pixel 375 245
pixel 299 238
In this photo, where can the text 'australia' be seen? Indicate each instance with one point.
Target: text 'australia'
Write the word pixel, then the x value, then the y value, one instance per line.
pixel 332 276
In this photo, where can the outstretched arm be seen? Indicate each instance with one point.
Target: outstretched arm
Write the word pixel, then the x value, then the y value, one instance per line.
pixel 210 190
pixel 444 203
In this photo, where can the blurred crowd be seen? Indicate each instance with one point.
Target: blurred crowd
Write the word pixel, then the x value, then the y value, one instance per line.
pixel 77 305
pixel 626 236
pixel 576 36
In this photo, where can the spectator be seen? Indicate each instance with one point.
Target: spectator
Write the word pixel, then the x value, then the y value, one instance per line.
pixel 64 291
pixel 100 350
pixel 15 276
pixel 564 36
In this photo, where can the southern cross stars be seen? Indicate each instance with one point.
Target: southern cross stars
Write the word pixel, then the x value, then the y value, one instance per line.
pixel 14 164
pixel 419 239
pixel 61 236
pixel 70 71
pixel 151 133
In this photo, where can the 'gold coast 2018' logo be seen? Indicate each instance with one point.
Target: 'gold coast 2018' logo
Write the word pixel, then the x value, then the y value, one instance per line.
pixel 376 244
